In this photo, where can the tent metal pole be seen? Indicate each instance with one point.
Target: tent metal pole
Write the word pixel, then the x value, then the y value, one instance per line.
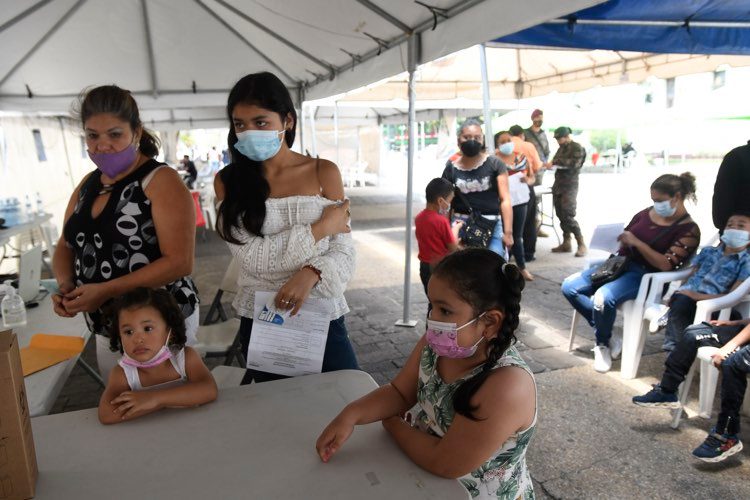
pixel 385 15
pixel 668 24
pixel 336 130
pixel 61 120
pixel 43 40
pixel 489 140
pixel 300 125
pixel 24 14
pixel 313 139
pixel 150 49
pixel 329 67
pixel 241 37
pixel 413 55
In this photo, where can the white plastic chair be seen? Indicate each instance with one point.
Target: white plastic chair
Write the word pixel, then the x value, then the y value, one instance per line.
pixel 739 300
pixel 632 329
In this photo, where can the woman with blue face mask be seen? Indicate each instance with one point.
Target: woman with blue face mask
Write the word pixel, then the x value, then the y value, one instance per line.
pixel 661 237
pixel 283 216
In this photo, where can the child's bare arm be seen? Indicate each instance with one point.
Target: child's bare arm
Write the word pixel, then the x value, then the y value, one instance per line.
pixel 200 388
pixel 386 401
pixel 116 385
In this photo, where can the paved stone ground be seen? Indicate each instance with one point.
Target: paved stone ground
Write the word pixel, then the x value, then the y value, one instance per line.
pixel 591 441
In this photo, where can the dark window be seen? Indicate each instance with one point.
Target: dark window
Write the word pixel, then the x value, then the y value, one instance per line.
pixel 40 154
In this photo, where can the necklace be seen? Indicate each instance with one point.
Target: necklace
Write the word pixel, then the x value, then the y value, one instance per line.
pixel 106 188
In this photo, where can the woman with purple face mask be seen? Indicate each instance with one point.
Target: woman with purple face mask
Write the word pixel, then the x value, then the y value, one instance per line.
pixel 475 397
pixel 130 223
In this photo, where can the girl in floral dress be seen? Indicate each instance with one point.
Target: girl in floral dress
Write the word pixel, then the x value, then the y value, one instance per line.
pixel 472 396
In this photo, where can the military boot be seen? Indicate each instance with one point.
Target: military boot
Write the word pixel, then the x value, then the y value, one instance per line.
pixel 582 250
pixel 564 246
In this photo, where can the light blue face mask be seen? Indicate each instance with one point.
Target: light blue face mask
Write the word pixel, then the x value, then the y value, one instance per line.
pixel 259 145
pixel 664 209
pixel 735 238
pixel 507 148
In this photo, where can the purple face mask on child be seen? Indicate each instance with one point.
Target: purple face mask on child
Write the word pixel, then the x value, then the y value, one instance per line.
pixel 113 164
pixel 443 339
pixel 160 357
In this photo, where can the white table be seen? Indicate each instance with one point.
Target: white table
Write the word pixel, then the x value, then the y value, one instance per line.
pixel 36 222
pixel 255 441
pixel 43 387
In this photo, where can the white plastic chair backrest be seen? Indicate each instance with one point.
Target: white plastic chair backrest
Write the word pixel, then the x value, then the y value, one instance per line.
pixel 229 281
pixel 712 241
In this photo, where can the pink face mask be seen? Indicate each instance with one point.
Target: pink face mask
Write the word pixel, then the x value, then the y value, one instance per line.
pixel 113 164
pixel 443 339
pixel 160 357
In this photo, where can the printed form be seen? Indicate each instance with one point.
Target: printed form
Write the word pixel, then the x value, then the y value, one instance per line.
pixel 288 345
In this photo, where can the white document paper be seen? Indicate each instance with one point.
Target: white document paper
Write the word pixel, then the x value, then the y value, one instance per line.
pixel 288 345
pixel 605 237
pixel 519 190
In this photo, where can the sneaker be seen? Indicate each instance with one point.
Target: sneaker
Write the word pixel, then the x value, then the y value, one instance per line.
pixel 602 359
pixel 659 320
pixel 718 447
pixel 615 347
pixel 657 398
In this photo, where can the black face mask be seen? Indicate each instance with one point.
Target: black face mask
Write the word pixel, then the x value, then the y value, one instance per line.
pixel 471 147
pixel 537 123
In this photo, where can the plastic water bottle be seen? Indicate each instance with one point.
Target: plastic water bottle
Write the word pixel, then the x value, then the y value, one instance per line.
pixel 39 204
pixel 13 308
pixel 29 213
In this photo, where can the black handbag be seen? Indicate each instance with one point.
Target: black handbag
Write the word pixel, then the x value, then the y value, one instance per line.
pixel 609 270
pixel 615 265
pixel 477 232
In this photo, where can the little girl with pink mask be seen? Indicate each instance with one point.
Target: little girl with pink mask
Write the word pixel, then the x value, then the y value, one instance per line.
pixel 464 404
pixel 156 370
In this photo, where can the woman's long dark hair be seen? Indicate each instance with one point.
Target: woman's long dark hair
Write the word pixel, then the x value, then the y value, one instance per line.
pixel 485 281
pixel 245 186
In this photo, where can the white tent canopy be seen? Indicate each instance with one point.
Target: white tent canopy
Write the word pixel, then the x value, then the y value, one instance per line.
pixel 187 54
pixel 523 72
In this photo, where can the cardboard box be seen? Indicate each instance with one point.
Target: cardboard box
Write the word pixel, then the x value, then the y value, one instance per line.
pixel 18 469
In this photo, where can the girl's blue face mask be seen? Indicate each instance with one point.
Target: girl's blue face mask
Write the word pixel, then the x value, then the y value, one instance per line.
pixel 260 145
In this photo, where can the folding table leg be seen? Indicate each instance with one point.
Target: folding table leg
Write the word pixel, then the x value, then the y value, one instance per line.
pixel 235 351
pixel 93 373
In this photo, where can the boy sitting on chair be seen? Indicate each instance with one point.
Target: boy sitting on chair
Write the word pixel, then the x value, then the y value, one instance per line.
pixel 733 359
pixel 717 271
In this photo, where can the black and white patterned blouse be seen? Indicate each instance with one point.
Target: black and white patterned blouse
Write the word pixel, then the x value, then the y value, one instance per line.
pixel 121 240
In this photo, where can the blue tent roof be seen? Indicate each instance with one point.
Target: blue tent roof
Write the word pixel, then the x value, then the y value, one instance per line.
pixel 675 26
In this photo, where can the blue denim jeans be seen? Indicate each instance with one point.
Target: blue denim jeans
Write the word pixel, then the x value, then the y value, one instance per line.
pixel 339 354
pixel 599 307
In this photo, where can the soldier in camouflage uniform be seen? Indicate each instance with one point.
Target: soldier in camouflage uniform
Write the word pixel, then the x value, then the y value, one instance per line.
pixel 569 160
